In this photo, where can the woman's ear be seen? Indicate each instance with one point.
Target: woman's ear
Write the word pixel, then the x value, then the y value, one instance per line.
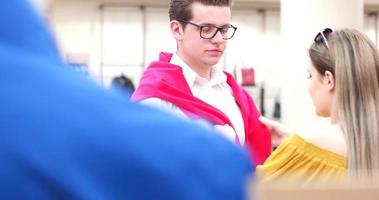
pixel 176 30
pixel 329 80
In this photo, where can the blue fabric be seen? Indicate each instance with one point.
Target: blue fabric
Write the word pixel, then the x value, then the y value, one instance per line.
pixel 63 137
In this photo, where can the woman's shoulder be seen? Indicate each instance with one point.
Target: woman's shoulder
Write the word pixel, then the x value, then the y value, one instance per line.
pixel 298 159
pixel 327 137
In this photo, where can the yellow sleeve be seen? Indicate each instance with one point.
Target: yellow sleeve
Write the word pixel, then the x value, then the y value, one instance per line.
pixel 299 160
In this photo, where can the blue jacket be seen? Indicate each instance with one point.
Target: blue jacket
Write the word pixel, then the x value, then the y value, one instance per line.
pixel 63 137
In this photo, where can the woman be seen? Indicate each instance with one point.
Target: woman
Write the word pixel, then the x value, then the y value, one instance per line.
pixel 344 86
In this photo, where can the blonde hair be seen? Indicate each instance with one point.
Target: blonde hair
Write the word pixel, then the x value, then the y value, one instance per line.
pixel 354 61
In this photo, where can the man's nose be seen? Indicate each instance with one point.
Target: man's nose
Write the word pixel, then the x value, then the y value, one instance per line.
pixel 218 37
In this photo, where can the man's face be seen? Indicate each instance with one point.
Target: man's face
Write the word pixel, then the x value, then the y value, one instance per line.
pixel 200 52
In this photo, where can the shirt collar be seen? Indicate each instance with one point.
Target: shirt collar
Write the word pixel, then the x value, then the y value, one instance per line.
pixel 188 73
pixel 217 76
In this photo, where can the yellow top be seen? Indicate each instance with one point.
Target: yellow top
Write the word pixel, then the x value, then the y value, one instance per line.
pixel 298 160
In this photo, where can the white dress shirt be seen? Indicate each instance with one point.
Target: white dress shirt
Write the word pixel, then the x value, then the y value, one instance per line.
pixel 215 92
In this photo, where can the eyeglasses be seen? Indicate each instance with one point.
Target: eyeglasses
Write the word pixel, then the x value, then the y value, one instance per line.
pixel 322 37
pixel 209 31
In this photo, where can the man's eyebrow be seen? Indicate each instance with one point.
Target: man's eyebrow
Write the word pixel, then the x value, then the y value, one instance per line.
pixel 210 24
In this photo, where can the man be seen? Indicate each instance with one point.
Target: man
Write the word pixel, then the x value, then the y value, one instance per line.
pixel 189 85
pixel 64 137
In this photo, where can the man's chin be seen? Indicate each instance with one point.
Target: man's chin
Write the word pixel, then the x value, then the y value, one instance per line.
pixel 213 61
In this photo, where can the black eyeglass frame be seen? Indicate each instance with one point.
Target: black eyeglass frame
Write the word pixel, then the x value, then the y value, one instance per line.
pixel 219 29
pixel 322 36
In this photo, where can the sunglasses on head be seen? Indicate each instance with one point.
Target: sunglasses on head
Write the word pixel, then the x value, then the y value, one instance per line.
pixel 322 37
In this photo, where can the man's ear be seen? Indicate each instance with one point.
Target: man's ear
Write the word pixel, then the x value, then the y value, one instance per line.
pixel 329 80
pixel 176 30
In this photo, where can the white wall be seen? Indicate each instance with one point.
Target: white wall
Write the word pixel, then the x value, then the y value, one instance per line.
pixel 113 37
pixel 76 27
pixel 79 30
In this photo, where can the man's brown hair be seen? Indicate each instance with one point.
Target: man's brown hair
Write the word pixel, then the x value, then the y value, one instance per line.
pixel 180 10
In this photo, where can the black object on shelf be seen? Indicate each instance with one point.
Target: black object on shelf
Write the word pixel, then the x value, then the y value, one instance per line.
pixel 262 100
pixel 277 109
pixel 124 83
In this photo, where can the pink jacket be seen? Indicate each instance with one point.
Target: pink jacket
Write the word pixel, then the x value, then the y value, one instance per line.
pixel 165 81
